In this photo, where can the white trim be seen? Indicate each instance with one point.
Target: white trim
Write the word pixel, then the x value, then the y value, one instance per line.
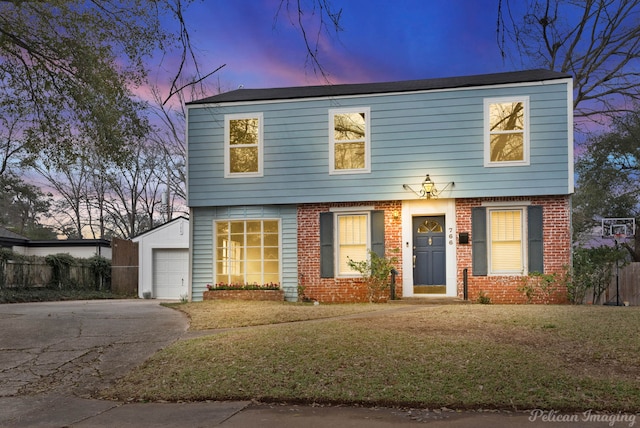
pixel 524 238
pixel 525 132
pixel 570 142
pixel 336 240
pixel 367 140
pixel 432 207
pixel 227 145
pixel 214 236
pixel 381 94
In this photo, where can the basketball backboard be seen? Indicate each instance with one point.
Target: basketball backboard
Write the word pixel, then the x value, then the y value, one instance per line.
pixel 618 227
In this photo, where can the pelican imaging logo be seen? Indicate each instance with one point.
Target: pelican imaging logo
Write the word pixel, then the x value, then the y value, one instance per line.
pixel 625 419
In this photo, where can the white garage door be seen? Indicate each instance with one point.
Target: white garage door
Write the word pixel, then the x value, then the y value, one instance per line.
pixel 170 273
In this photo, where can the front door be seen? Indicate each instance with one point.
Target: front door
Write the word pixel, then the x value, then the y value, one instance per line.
pixel 429 260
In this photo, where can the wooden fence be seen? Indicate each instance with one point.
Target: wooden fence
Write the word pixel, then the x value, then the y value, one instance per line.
pixel 124 266
pixel 25 274
pixel 628 279
pixel 36 273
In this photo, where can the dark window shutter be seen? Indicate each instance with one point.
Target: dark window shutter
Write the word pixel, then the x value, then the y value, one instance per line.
pixel 326 245
pixel 534 229
pixel 377 232
pixel 479 240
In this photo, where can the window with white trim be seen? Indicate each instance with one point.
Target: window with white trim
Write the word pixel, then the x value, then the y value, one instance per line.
pixel 247 252
pixel 349 140
pixel 243 145
pixel 352 239
pixel 507 247
pixel 506 135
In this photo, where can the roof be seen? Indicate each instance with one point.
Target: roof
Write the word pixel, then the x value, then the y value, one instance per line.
pixel 6 233
pixel 160 226
pixel 71 243
pixel 7 237
pixel 296 92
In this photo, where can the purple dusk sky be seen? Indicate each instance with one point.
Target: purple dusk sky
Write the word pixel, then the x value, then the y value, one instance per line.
pixel 382 40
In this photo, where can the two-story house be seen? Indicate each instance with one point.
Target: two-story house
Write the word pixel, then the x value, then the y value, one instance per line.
pixel 467 181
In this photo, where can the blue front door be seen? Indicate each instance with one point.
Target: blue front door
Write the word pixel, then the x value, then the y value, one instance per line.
pixel 429 256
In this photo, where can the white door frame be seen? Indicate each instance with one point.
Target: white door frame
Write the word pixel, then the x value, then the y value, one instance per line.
pixel 431 207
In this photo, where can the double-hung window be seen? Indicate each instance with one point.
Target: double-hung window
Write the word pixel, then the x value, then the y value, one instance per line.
pixel 506 134
pixel 352 240
pixel 349 140
pixel 349 234
pixel 506 249
pixel 247 252
pixel 507 240
pixel 243 145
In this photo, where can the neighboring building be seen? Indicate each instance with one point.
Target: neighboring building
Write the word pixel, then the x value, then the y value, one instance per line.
pixel 80 248
pixel 163 258
pixel 466 177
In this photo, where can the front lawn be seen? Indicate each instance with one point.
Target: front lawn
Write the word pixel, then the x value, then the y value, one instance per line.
pixel 566 358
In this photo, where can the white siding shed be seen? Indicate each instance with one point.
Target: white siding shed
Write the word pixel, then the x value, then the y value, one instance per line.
pixel 163 254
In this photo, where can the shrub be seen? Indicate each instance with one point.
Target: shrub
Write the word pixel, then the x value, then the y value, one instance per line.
pixel 375 272
pixel 483 298
pixel 61 269
pixel 544 285
pixel 592 270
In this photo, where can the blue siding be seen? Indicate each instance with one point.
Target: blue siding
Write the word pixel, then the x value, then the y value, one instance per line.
pixel 202 241
pixel 440 133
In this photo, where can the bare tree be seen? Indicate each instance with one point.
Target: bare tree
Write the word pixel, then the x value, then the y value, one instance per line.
pixel 13 141
pixel 69 181
pixel 312 18
pixel 596 41
pixel 129 183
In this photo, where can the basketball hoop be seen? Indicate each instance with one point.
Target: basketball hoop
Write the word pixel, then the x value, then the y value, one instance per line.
pixel 618 228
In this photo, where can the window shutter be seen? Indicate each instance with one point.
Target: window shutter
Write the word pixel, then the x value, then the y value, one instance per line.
pixel 326 245
pixel 377 232
pixel 479 240
pixel 534 230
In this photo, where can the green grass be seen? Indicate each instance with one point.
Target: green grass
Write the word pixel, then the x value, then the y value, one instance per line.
pixel 567 358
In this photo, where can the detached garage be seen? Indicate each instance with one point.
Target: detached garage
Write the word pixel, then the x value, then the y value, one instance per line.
pixel 163 254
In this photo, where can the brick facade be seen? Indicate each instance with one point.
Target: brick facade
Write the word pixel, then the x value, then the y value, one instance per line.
pixel 341 290
pixel 556 245
pixel 268 295
pixel 499 288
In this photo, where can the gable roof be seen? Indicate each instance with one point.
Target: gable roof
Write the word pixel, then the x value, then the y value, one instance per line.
pixel 160 226
pixel 243 95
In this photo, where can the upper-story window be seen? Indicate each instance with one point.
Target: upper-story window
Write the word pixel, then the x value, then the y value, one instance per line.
pixel 506 131
pixel 349 141
pixel 243 145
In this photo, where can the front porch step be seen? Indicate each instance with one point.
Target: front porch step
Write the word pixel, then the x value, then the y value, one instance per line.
pixel 431 300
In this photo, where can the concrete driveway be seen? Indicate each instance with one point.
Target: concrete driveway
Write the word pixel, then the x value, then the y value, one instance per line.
pixel 72 349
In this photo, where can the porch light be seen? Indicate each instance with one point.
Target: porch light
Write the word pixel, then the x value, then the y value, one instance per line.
pixel 428 189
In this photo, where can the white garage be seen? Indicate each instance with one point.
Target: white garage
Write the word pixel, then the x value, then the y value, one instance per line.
pixel 170 273
pixel 163 254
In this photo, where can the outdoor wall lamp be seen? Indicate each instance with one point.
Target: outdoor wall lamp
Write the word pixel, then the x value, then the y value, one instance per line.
pixel 428 189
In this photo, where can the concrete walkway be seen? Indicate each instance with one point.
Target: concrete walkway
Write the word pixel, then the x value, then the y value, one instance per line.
pixel 53 356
